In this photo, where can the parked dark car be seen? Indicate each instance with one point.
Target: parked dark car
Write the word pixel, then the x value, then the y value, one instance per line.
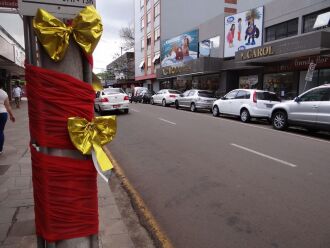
pixel 137 94
pixel 146 96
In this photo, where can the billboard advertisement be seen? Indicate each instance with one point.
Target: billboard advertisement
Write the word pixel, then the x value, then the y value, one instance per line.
pixel 179 50
pixel 243 31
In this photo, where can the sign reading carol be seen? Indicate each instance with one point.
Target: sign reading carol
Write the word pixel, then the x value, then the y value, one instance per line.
pixel 59 8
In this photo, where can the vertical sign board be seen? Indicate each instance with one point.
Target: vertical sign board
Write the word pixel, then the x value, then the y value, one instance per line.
pixel 309 75
pixel 59 8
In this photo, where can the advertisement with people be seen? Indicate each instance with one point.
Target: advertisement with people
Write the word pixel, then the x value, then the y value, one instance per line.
pixel 243 31
pixel 180 49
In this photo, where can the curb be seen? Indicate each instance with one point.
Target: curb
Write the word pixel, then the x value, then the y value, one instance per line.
pixel 145 216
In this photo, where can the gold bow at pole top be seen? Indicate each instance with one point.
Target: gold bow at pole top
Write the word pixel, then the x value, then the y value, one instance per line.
pixel 54 35
pixel 87 136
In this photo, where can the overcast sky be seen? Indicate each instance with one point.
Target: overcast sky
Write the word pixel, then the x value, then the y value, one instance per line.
pixel 115 15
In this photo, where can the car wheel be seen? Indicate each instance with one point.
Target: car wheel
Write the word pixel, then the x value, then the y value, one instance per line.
pixel 245 115
pixel 152 101
pixel 280 120
pixel 215 111
pixel 164 103
pixel 126 111
pixel 193 107
pixel 100 111
pixel 177 105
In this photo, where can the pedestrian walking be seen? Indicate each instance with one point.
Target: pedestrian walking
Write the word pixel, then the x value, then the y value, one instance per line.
pixel 5 109
pixel 17 93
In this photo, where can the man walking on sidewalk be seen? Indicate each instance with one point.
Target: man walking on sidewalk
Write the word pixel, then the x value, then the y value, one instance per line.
pixel 5 109
pixel 17 92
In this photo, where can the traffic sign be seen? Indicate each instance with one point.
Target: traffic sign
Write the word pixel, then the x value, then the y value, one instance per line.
pixel 59 8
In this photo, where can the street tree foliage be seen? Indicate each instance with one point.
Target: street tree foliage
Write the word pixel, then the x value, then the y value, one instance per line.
pixel 106 75
pixel 127 35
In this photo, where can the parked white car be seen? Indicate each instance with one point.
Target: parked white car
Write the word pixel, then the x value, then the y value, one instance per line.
pixel 246 103
pixel 111 99
pixel 310 110
pixel 165 97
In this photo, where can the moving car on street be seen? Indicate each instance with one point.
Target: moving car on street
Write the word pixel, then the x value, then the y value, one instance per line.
pixel 111 99
pixel 246 103
pixel 165 97
pixel 195 99
pixel 310 110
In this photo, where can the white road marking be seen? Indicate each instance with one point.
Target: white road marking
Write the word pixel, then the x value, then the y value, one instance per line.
pixel 134 110
pixel 166 121
pixel 264 155
pixel 270 129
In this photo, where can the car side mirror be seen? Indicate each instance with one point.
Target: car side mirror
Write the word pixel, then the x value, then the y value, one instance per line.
pixel 181 95
pixel 297 99
pixel 223 98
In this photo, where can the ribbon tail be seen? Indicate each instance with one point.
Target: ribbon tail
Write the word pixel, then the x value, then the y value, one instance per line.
pixel 97 167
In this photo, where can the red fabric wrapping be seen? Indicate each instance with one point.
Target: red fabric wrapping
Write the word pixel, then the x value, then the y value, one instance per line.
pixel 53 98
pixel 65 189
pixel 65 195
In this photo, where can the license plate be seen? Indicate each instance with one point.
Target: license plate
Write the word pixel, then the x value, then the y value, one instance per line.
pixel 269 105
pixel 116 106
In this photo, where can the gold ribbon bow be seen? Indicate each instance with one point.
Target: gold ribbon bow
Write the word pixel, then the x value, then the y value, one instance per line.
pixel 95 134
pixel 54 35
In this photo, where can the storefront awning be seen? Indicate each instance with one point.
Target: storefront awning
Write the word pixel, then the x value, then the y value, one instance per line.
pixel 10 66
pixel 322 20
pixel 290 48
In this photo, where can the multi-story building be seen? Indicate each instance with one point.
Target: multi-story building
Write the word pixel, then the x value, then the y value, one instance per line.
pixel 147 43
pixel 225 55
pixel 122 71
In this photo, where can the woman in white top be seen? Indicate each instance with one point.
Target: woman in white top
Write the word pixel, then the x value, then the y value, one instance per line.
pixel 5 109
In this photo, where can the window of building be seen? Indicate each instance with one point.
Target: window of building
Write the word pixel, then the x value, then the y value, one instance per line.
pixel 309 20
pixel 157 33
pixel 156 59
pixel 149 61
pixel 283 84
pixel 149 17
pixel 282 30
pixel 142 23
pixel 157 10
pixel 149 39
pixel 142 43
pixel 141 3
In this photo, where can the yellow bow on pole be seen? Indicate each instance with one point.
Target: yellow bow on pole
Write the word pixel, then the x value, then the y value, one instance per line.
pixel 54 35
pixel 93 135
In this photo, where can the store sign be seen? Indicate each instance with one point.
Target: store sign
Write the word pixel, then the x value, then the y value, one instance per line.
pixel 8 4
pixel 171 70
pixel 311 69
pixel 257 53
pixel 59 8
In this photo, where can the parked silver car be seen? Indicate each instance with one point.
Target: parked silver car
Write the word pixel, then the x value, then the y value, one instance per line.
pixel 310 109
pixel 195 99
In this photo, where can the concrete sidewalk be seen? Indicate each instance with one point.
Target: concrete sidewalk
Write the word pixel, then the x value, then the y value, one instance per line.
pixel 17 227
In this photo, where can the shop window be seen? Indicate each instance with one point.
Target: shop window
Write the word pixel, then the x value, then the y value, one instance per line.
pixel 157 33
pixel 157 10
pixel 283 84
pixel 248 82
pixel 282 30
pixel 309 20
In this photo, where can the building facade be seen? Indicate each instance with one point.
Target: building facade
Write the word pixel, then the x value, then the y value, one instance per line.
pixel 288 44
pixel 122 71
pixel 147 42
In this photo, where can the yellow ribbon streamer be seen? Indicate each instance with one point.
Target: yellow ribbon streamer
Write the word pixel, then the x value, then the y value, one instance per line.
pixel 54 35
pixel 95 134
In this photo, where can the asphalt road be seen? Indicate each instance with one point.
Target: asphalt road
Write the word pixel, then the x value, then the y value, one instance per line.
pixel 216 182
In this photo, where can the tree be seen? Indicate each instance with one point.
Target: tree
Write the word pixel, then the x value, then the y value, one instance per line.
pixel 127 35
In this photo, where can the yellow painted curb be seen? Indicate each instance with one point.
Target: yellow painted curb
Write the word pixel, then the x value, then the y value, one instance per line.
pixel 147 218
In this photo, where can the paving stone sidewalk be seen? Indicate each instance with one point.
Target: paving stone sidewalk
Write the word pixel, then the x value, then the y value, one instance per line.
pixel 17 227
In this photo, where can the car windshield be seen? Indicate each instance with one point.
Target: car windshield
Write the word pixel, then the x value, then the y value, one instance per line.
pixel 113 91
pixel 268 96
pixel 174 92
pixel 206 94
